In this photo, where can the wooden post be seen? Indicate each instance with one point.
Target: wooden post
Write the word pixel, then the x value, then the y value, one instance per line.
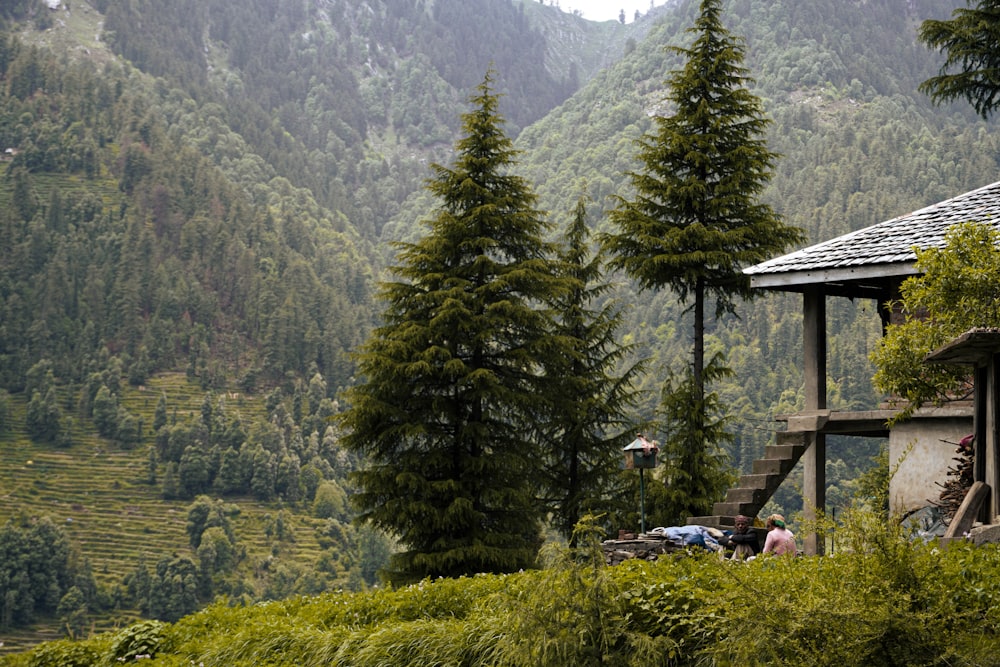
pixel 992 449
pixel 814 375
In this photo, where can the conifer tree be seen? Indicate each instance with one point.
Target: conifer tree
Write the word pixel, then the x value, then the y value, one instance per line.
pixel 452 377
pixel 695 220
pixel 970 40
pixel 696 471
pixel 590 396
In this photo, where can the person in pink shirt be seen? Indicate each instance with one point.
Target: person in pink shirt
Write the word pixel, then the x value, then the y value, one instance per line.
pixel 779 540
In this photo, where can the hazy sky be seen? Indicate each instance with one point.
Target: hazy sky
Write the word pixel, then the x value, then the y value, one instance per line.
pixel 606 10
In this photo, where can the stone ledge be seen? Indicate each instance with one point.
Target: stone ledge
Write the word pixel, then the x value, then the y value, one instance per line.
pixel 985 534
pixel 643 547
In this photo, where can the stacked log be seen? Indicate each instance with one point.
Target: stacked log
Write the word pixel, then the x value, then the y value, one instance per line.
pixel 958 480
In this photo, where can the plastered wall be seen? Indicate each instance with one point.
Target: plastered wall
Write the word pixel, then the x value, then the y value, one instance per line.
pixel 921 451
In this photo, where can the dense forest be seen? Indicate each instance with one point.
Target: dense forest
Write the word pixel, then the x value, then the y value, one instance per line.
pixel 209 192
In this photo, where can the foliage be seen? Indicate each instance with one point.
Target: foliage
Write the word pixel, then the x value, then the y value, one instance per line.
pixel 693 469
pixel 969 40
pixel 137 641
pixel 330 501
pixel 36 570
pixel 205 513
pixel 696 216
pixel 872 486
pixel 451 380
pixel 44 418
pixel 956 290
pixel 95 161
pixel 72 612
pixel 881 600
pixel 573 612
pixel 590 385
pixel 64 654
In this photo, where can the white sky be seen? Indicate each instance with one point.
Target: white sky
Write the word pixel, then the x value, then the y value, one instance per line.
pixel 607 10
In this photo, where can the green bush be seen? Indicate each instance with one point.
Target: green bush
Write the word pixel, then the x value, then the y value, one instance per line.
pixel 64 653
pixel 881 600
pixel 136 642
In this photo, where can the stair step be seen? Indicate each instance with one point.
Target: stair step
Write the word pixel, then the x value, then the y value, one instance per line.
pixel 732 509
pixel 791 452
pixel 773 466
pixel 768 483
pixel 795 438
pixel 745 494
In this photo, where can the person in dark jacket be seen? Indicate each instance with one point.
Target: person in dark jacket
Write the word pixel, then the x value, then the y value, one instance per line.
pixel 744 539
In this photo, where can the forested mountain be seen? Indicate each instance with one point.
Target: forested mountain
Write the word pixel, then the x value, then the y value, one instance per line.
pixel 211 187
pixel 859 145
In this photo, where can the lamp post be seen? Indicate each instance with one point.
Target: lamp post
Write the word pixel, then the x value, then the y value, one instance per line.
pixel 641 454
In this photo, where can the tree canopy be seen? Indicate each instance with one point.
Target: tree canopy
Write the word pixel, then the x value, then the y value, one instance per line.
pixel 958 289
pixel 696 218
pixel 590 386
pixel 970 41
pixel 446 409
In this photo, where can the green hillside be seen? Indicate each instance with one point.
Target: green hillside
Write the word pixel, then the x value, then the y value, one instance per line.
pixel 201 197
pixel 858 145
pixel 102 498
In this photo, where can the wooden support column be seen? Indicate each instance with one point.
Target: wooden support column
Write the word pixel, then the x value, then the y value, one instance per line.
pixel 814 375
pixel 992 467
pixel 980 422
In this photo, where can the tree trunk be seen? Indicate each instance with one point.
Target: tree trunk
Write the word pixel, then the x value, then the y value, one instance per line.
pixel 698 370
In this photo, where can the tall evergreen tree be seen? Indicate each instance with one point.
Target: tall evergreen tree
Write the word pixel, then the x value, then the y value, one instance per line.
pixel 452 376
pixel 971 42
pixel 590 395
pixel 696 470
pixel 695 220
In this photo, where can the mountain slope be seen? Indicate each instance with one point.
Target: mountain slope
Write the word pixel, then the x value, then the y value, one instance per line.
pixel 220 205
pixel 859 145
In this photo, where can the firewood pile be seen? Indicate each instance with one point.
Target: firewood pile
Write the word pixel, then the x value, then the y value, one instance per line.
pixel 958 480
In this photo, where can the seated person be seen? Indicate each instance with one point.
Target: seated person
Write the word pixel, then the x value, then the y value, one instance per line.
pixel 779 540
pixel 744 539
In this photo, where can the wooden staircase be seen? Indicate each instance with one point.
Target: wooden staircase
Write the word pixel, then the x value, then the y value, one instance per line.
pixel 756 488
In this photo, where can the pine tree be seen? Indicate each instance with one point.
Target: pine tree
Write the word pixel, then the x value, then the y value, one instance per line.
pixel 970 40
pixel 694 466
pixel 590 395
pixel 695 221
pixel 452 376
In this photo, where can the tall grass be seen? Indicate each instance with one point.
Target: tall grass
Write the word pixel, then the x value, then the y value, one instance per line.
pixel 885 601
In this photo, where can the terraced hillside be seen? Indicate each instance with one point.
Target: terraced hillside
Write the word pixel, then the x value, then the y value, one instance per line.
pixel 100 495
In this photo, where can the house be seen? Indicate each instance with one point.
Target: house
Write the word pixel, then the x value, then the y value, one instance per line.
pixel 870 263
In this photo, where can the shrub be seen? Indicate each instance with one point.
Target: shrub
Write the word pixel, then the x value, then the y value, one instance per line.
pixel 63 653
pixel 136 641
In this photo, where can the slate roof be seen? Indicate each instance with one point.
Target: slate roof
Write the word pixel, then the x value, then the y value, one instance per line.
pixel 879 252
pixel 975 346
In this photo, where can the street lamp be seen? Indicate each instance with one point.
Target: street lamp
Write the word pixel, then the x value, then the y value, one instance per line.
pixel 641 454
